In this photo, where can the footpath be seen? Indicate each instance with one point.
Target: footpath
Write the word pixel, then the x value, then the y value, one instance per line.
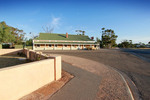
pixel 92 81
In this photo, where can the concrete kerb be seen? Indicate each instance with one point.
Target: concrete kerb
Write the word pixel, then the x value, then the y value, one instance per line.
pixel 133 90
pixel 127 86
pixel 129 91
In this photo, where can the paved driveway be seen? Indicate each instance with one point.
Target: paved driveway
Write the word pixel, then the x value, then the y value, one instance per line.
pixel 84 86
pixel 134 67
pixel 112 86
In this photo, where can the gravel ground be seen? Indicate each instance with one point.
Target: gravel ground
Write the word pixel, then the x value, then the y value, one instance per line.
pixel 138 70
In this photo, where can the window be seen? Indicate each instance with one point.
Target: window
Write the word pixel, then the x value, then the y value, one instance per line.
pixel 65 45
pixel 50 45
pixel 55 45
pixel 38 45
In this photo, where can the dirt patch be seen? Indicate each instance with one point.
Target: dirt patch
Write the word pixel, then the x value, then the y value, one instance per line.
pixel 11 60
pixel 48 90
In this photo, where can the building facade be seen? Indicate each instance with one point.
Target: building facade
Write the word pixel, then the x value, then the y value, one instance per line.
pixel 51 41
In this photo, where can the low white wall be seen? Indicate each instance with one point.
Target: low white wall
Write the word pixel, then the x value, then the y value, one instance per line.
pixel 9 51
pixel 49 48
pixel 58 48
pixel 57 67
pixel 38 48
pixel 20 80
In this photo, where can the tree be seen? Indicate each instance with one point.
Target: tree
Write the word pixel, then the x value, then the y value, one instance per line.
pixel 98 41
pixel 29 42
pixel 33 36
pixel 6 35
pixel 126 44
pixel 10 34
pixel 108 38
pixel 48 29
pixel 83 32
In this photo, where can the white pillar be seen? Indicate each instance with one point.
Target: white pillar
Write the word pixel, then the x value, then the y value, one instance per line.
pixel 33 45
pixel 45 47
pixel 83 46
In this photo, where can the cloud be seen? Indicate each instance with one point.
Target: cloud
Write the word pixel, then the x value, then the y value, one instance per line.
pixel 55 22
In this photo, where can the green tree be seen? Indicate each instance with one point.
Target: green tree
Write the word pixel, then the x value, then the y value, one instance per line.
pixel 108 38
pixel 83 32
pixel 126 44
pixel 10 34
pixel 6 33
pixel 98 41
pixel 29 42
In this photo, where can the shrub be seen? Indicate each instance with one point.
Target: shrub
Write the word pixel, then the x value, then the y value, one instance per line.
pixel 18 46
pixel 21 54
pixel 38 58
pixel 6 46
pixel 29 47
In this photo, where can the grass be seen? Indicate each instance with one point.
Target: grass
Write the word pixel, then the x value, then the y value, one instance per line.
pixel 21 47
pixel 29 47
pixel 18 46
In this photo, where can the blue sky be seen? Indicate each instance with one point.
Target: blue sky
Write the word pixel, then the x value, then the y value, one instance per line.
pixel 130 19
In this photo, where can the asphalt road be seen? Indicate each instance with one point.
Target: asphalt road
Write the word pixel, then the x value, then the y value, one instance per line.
pixel 144 54
pixel 134 63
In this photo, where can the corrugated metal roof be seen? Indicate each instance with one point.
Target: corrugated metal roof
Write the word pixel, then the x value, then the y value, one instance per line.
pixel 53 36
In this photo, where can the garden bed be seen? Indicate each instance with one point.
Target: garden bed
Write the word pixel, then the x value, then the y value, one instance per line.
pixel 11 60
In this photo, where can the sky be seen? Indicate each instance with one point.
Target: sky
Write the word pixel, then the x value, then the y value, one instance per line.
pixel 130 19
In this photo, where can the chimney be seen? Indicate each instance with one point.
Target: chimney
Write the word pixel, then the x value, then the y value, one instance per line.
pixel 66 35
pixel 92 38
